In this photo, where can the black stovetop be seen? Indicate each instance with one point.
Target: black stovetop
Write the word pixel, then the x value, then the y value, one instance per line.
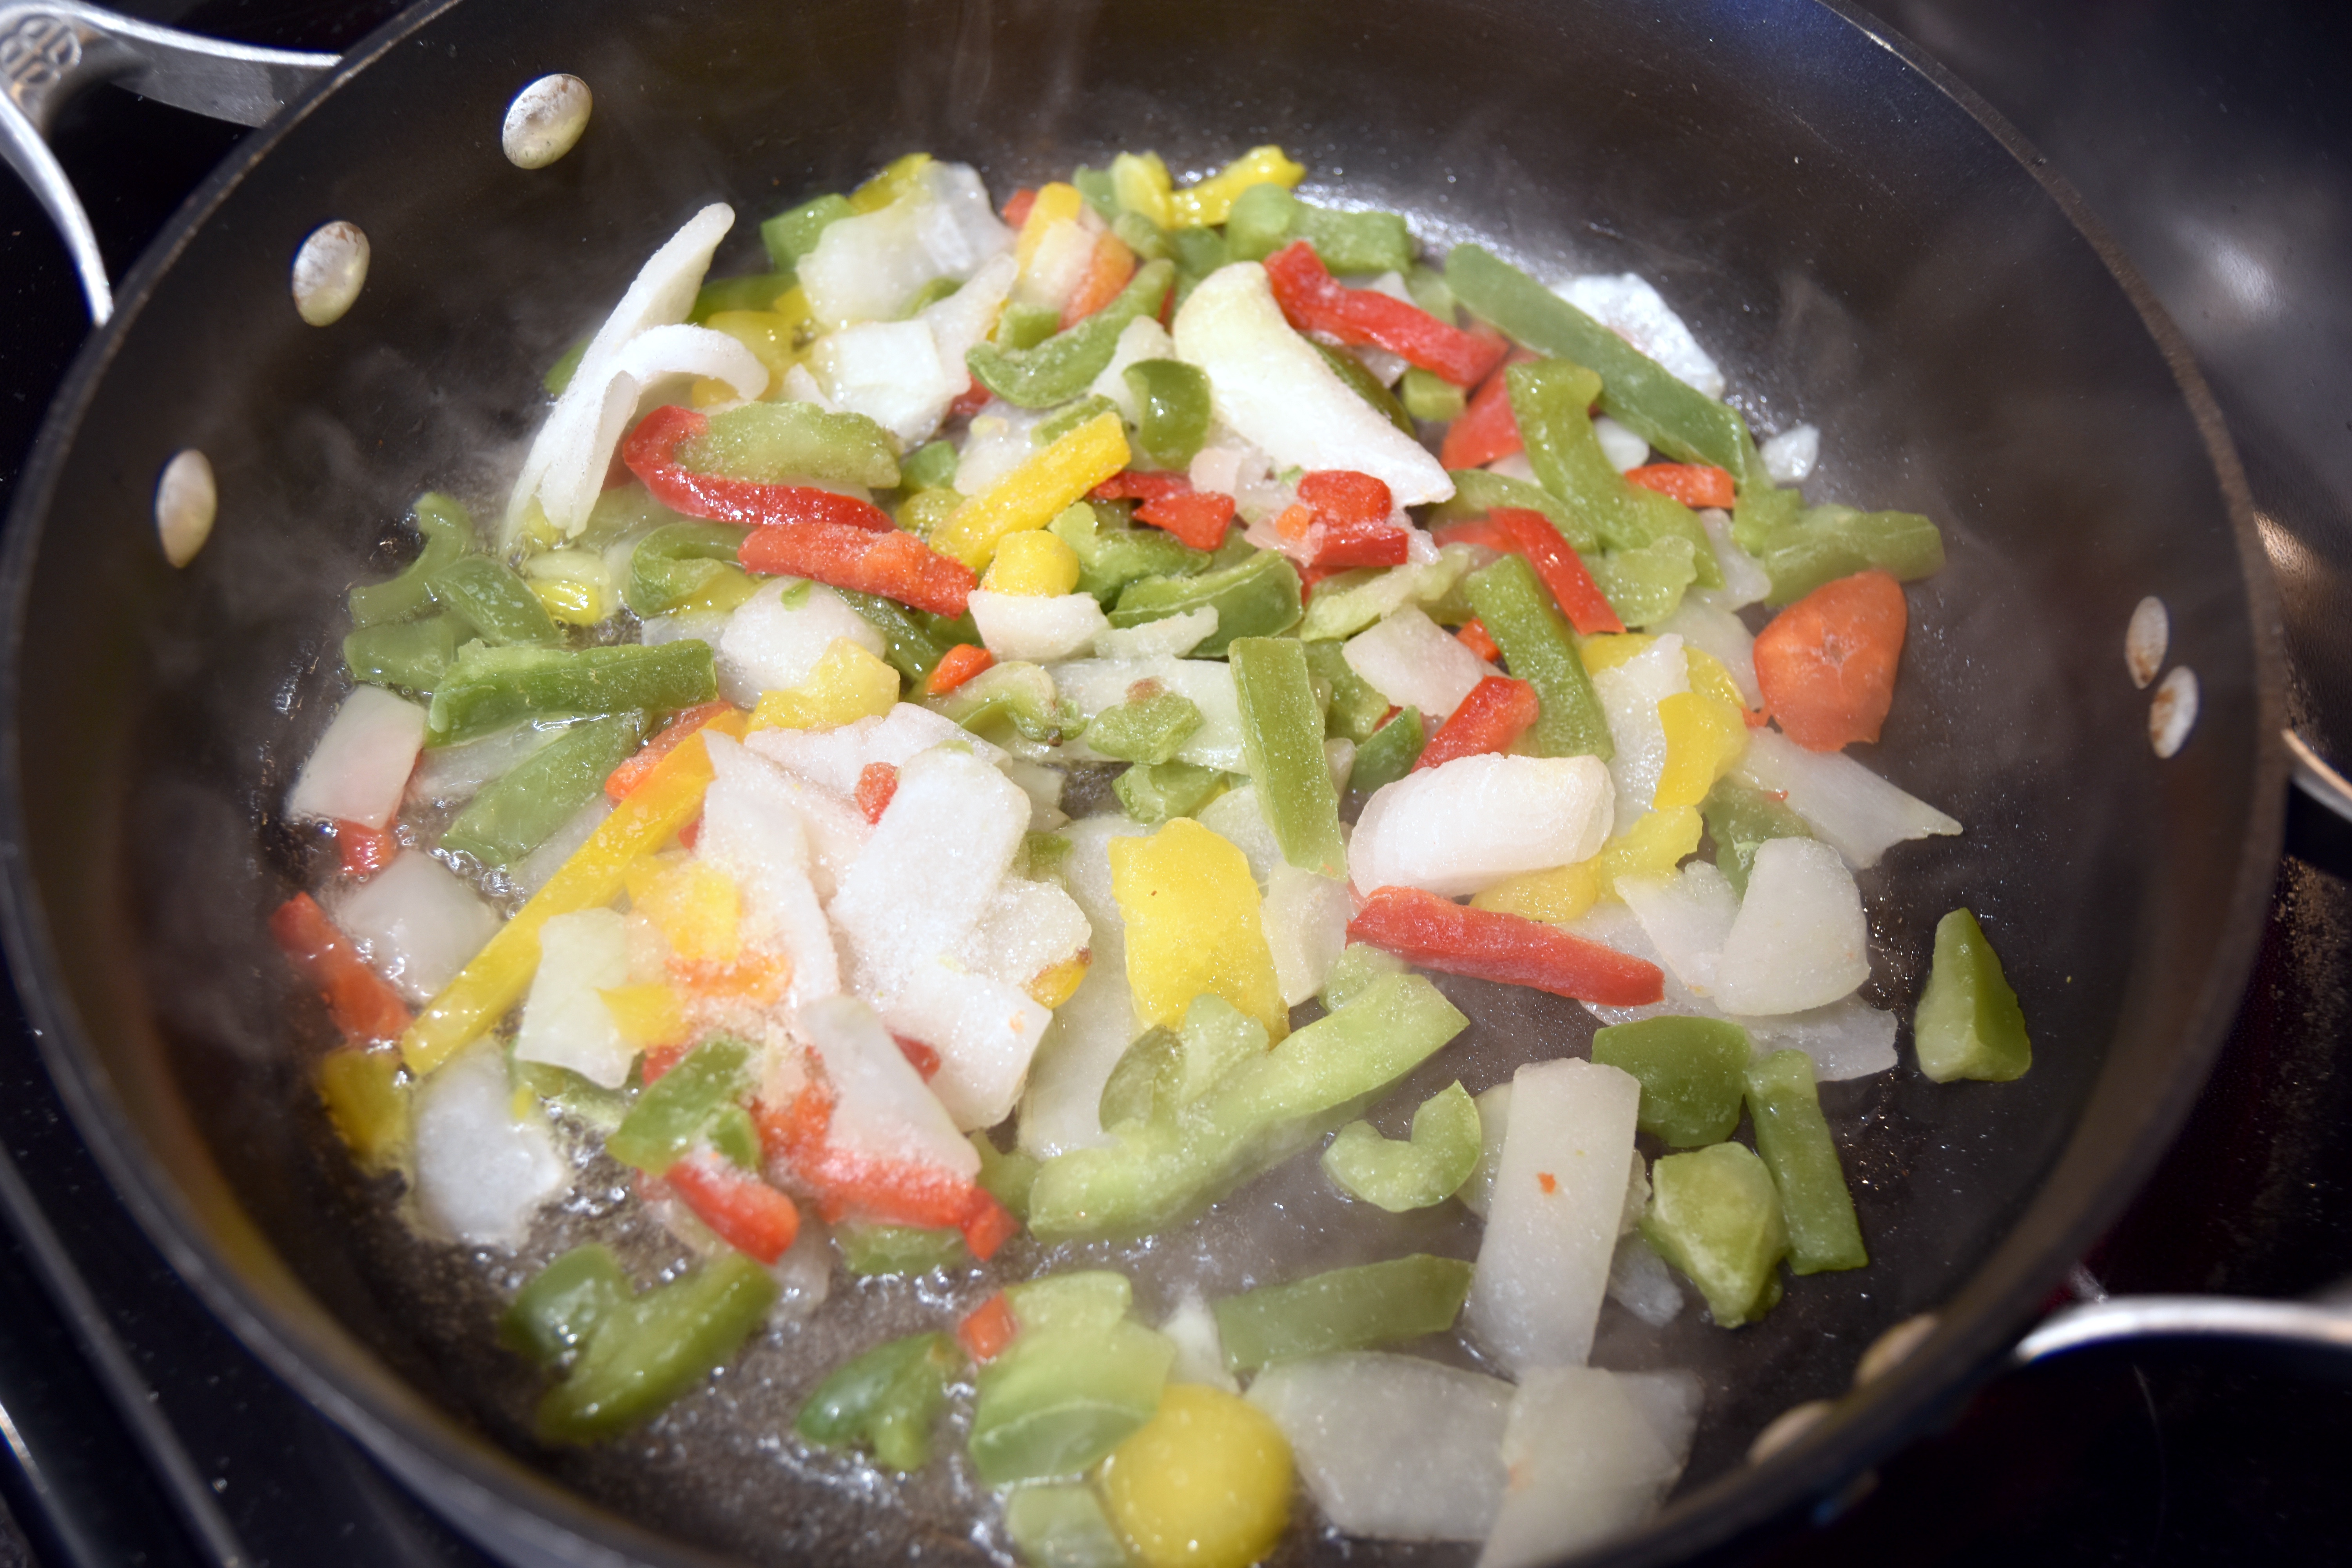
pixel 2216 145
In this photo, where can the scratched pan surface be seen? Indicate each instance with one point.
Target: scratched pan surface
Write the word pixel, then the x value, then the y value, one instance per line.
pixel 1851 238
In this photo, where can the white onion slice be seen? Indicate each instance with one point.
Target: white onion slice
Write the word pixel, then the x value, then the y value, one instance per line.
pixel 880 1106
pixel 416 922
pixel 1391 1447
pixel 1702 621
pixel 480 1173
pixel 775 637
pixel 1800 939
pixel 1038 628
pixel 1788 458
pixel 1589 1454
pixel 1629 694
pixel 1062 1110
pixel 1851 808
pixel 1687 915
pixel 1306 920
pixel 1468 824
pixel 359 768
pixel 1414 662
pixel 564 1020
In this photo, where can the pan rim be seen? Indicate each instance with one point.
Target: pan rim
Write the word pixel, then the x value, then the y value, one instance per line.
pixel 439 1456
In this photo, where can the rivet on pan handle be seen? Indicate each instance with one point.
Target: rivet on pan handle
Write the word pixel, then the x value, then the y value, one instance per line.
pixel 51 50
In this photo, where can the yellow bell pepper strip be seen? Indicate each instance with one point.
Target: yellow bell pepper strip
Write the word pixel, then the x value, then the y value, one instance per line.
pixel 1636 390
pixel 1206 1483
pixel 847 685
pixel 1033 494
pixel 1055 202
pixel 1063 365
pixel 1555 897
pixel 1158 1171
pixel 1282 747
pixel 885 1401
pixel 1191 905
pixel 1034 564
pixel 1399 1175
pixel 1794 1139
pixel 1343 1309
pixel 447 531
pixel 1211 202
pixel 1715 1215
pixel 495 979
pixel 1968 1024
pixel 367 1102
pixel 1140 183
pixel 1692 1072
pixel 1656 843
pixel 896 179
pixel 1705 737
pixel 1517 613
pixel 651 1347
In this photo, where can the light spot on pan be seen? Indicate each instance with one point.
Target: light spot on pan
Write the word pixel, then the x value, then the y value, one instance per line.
pixel 185 502
pixel 544 120
pixel 330 271
pixel 2173 712
pixel 2145 641
pixel 1786 1428
pixel 1889 1348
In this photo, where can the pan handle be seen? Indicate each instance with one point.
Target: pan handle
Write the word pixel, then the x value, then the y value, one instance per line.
pixel 2319 811
pixel 2320 1325
pixel 51 50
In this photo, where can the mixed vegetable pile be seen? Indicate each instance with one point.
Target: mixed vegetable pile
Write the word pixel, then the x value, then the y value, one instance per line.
pixel 975 737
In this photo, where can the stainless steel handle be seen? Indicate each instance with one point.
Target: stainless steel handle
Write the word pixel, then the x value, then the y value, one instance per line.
pixel 51 50
pixel 2315 778
pixel 2320 1325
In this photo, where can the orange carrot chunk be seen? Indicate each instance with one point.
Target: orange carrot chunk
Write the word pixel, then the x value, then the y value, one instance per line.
pixel 1827 662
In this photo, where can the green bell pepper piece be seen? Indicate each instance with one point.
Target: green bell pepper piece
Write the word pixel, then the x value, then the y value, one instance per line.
pixel 1143 1083
pixel 567 365
pixel 1352 709
pixel 495 599
pixel 447 534
pixel 1354 971
pixel 564 1304
pixel 1517 613
pixel 1343 1309
pixel 898 1248
pixel 1156 1173
pixel 790 236
pixel 1154 793
pixel 1968 1024
pixel 1636 391
pixel 1477 493
pixel 1173 398
pixel 672 1114
pixel 1256 597
pixel 1390 754
pixel 1347 603
pixel 1760 512
pixel 413 655
pixel 1145 729
pixel 489 689
pixel 758 292
pixel 1143 236
pixel 1061 367
pixel 1197 252
pixel 1399 1174
pixel 1164 1070
pixel 1715 1216
pixel 654 1347
pixel 1550 400
pixel 1645 585
pixel 913 641
pixel 1364 384
pixel 570 1094
pixel 928 295
pixel 1057 1399
pixel 793 442
pixel 1430 398
pixel 1025 326
pixel 1693 1072
pixel 1062 1525
pixel 921 514
pixel 1006 1177
pixel 1099 190
pixel 1265 218
pixel 1794 1139
pixel 1016 693
pixel 1093 405
pixel 1282 748
pixel 1740 819
pixel 1111 554
pixel 678 562
pixel 513 816
pixel 929 467
pixel 1827 543
pixel 1086 1302
pixel 885 1401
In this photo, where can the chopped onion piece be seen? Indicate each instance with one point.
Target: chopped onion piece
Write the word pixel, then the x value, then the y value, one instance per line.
pixel 1640 1281
pixel 1800 939
pixel 880 1106
pixel 564 1020
pixel 1414 662
pixel 1706 623
pixel 1788 458
pixel 1234 816
pixel 869 267
pixel 417 923
pixel 1624 449
pixel 1200 1348
pixel 1027 929
pixel 1090 1032
pixel 1392 1446
pixel 1494 1121
pixel 359 768
pixel 1629 694
pixel 1589 1454
pixel 1468 824
pixel 1040 628
pixel 1306 920
pixel 1851 808
pixel 482 1174
pixel 836 759
pixel 1688 915
pixel 753 830
pixel 1171 637
pixel 775 638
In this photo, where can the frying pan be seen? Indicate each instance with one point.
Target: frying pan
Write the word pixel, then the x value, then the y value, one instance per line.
pixel 1862 243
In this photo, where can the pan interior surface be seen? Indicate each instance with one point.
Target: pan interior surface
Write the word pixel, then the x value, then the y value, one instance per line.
pixel 1855 249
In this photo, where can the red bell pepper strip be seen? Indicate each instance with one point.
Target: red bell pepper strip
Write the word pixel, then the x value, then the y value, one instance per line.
pixel 1472 635
pixel 987 1328
pixel 895 565
pixel 366 850
pixel 1485 430
pixel 958 665
pixel 1344 496
pixel 920 1057
pixel 1692 484
pixel 876 783
pixel 632 773
pixel 361 1002
pixel 651 453
pixel 969 401
pixel 1197 517
pixel 1562 571
pixel 1498 711
pixel 845 1180
pixel 1138 484
pixel 1018 206
pixel 1337 547
pixel 1313 301
pixel 1107 274
pixel 988 1226
pixel 743 1211
pixel 1437 934
pixel 1827 662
